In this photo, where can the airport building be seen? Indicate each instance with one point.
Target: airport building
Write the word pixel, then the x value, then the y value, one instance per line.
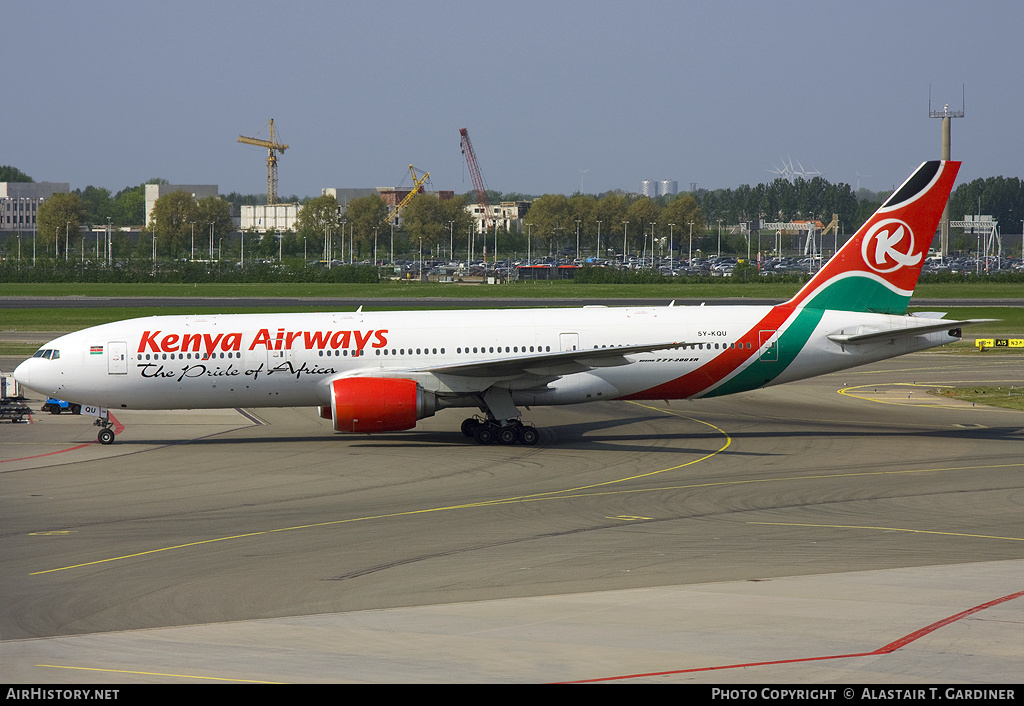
pixel 278 217
pixel 155 191
pixel 343 196
pixel 508 215
pixel 19 202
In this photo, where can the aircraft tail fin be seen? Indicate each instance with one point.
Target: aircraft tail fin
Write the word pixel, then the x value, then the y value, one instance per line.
pixel 878 268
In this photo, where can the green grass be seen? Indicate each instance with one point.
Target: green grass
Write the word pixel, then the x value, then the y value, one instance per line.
pixel 1008 397
pixel 1009 319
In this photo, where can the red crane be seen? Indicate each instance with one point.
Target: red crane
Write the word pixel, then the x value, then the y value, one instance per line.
pixel 475 175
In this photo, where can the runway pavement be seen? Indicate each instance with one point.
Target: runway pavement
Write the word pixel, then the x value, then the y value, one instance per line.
pixel 805 533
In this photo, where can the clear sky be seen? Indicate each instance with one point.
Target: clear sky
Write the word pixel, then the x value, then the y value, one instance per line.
pixel 717 93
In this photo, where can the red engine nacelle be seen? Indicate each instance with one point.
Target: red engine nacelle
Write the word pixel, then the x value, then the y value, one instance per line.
pixel 365 405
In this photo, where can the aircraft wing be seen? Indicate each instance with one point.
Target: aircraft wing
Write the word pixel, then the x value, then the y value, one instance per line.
pixel 545 365
pixel 916 330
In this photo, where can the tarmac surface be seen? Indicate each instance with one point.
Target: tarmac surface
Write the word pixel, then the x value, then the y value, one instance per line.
pixel 847 529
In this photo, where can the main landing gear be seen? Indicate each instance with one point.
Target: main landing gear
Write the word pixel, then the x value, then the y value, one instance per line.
pixel 489 431
pixel 502 423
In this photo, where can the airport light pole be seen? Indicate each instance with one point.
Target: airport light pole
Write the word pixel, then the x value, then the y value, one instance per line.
pixel 689 256
pixel 670 260
pixel 652 243
pixel 625 225
pixel 529 244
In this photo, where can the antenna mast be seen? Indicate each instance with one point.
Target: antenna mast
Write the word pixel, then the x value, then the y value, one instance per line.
pixel 947 115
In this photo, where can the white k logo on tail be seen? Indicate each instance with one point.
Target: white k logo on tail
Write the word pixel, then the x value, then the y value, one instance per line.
pixel 888 246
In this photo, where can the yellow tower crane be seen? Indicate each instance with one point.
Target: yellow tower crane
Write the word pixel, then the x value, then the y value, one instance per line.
pixel 273 147
pixel 417 188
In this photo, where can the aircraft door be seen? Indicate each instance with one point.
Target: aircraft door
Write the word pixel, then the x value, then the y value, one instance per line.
pixel 278 360
pixel 569 341
pixel 769 346
pixel 117 358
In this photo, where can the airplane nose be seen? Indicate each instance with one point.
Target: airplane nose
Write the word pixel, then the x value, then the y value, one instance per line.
pixel 21 373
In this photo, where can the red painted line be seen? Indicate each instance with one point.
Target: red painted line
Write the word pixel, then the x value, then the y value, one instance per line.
pixel 118 428
pixel 893 646
pixel 885 649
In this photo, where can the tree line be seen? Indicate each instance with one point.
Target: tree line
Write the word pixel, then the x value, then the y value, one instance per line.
pixel 599 225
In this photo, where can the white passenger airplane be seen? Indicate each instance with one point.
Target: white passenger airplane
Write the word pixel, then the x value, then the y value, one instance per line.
pixel 378 372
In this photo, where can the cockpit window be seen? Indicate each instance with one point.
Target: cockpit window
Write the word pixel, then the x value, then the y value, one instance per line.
pixel 48 353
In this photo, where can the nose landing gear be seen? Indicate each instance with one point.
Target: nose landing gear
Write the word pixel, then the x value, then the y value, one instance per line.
pixel 106 433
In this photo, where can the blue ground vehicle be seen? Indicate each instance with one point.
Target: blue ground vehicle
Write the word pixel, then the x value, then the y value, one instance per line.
pixel 55 406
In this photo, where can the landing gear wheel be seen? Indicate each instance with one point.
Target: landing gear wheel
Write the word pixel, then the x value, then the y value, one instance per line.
pixel 528 436
pixel 483 434
pixel 105 437
pixel 507 435
pixel 469 426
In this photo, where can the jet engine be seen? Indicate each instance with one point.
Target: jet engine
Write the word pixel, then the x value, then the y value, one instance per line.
pixel 365 405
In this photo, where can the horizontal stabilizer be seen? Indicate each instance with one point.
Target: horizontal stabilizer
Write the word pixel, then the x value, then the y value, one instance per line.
pixel 904 332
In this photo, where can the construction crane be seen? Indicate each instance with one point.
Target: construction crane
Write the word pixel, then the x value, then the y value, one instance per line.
pixel 417 188
pixel 475 175
pixel 273 147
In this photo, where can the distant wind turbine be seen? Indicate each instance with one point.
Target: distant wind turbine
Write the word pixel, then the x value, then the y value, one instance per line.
pixel 790 173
